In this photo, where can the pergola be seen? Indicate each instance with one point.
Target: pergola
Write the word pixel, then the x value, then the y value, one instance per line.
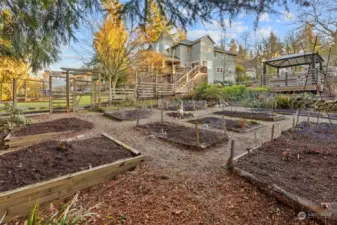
pixel 293 60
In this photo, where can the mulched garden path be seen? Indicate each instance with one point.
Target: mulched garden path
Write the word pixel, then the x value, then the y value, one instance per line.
pixel 129 114
pixel 45 161
pixel 252 115
pixel 302 162
pixel 184 135
pixel 64 124
pixel 148 196
pixel 219 123
pixel 188 105
pixel 178 115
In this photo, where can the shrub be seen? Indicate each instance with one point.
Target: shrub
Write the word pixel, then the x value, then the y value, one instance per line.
pixel 213 93
pixel 16 118
pixel 282 102
pixel 235 93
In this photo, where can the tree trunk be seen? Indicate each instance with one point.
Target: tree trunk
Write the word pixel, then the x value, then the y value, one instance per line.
pixel 114 84
pixel 110 91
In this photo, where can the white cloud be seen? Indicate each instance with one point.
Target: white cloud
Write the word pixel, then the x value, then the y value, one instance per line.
pixel 264 17
pixel 263 32
pixel 233 30
pixel 278 21
pixel 288 16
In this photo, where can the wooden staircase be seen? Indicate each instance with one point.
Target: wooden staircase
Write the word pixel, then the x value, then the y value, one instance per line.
pixel 147 90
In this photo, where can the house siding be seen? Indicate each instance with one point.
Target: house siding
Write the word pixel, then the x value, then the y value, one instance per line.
pixel 164 40
pixel 227 62
pixel 206 54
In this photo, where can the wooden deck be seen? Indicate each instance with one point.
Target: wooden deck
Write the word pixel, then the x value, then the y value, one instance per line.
pixel 294 88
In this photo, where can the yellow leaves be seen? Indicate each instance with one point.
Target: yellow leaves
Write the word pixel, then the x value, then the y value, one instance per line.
pixel 11 68
pixel 150 59
pixel 113 7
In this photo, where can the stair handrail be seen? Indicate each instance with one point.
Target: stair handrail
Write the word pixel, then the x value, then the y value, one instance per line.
pixel 186 76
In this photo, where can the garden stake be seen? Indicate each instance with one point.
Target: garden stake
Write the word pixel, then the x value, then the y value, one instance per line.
pixel 205 104
pixel 197 134
pixel 255 137
pixel 293 121
pixel 225 128
pixel 229 164
pixel 318 117
pixel 194 105
pixel 272 132
pixel 137 119
pixel 308 120
pixel 162 115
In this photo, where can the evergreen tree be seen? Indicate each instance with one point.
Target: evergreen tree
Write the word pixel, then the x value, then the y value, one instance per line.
pixel 233 47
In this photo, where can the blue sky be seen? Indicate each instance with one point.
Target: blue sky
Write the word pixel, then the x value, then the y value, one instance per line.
pixel 74 54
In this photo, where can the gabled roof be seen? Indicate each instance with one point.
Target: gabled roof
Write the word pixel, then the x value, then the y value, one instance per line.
pixel 188 42
pixel 218 49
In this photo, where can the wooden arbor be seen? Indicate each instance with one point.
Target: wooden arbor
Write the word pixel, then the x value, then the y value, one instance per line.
pixel 297 82
pixel 66 73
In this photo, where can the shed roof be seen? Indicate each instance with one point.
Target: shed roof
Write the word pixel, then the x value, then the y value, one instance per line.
pixel 294 60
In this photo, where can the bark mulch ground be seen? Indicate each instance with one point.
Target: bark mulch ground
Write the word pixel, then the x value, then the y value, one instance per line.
pixel 302 162
pixel 184 135
pixel 232 125
pixel 252 115
pixel 129 114
pixel 64 124
pixel 45 161
pixel 188 105
pixel 178 115
pixel 147 196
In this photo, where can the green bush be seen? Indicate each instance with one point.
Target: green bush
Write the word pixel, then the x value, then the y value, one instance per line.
pixel 213 93
pixel 282 102
pixel 235 93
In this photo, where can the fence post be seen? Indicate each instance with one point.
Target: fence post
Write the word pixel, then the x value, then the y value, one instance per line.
pixel 25 87
pixel 14 91
pixel 50 94
pixel 99 90
pixel 197 134
pixel 230 164
pixel 67 91
pixel 155 85
pixel 1 91
pixel 162 114
pixel 74 95
pixel 286 78
pixel 272 132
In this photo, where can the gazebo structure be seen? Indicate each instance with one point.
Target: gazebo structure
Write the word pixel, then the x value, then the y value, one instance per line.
pixel 311 79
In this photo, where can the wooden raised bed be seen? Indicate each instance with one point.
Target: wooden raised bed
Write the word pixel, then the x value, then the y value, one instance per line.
pixel 64 127
pixel 183 135
pixel 128 114
pixel 17 202
pixel 296 169
pixel 230 125
pixel 252 115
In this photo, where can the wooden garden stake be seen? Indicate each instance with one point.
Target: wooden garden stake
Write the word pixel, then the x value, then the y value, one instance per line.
pixel 293 121
pixel 162 115
pixel 308 120
pixel 229 164
pixel 318 117
pixel 197 134
pixel 205 106
pixel 225 128
pixel 255 137
pixel 272 132
pixel 194 105
pixel 137 118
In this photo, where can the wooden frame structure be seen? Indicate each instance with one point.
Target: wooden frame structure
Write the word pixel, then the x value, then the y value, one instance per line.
pixel 17 202
pixel 302 81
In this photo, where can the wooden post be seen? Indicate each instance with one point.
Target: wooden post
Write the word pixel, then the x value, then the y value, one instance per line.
pixel 205 106
pixel 263 78
pixel 25 88
pixel 14 91
pixel 255 137
pixel 67 91
pixel 155 85
pixel 272 132
pixel 74 95
pixel 50 94
pixel 93 97
pixel 278 72
pixel 194 105
pixel 308 120
pixel 99 91
pixel 294 121
pixel 225 126
pixel 162 114
pixel 286 78
pixel 197 134
pixel 137 119
pixel 229 164
pixel 43 89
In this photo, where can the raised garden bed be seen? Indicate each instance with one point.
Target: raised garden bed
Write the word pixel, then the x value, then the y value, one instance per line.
pixel 252 115
pixel 298 168
pixel 239 126
pixel 178 115
pixel 188 105
pixel 53 170
pixel 184 135
pixel 38 132
pixel 131 114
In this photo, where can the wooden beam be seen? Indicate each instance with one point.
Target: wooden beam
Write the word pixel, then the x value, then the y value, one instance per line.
pixel 80 70
pixel 67 92
pixel 14 91
pixel 50 94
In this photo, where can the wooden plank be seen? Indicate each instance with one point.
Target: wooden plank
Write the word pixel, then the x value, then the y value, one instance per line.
pixel 134 151
pixel 68 91
pixel 17 202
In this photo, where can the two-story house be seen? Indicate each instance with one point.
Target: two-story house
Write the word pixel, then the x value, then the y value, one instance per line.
pixel 220 64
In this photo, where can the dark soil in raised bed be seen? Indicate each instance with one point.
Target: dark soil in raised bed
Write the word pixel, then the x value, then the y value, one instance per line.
pixel 178 115
pixel 188 106
pixel 303 162
pixel 44 161
pixel 219 123
pixel 129 114
pixel 252 115
pixel 184 135
pixel 64 124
